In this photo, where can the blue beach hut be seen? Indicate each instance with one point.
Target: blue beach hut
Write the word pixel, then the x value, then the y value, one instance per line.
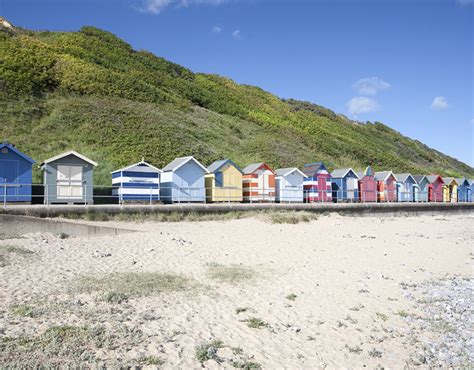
pixel 182 180
pixel 137 182
pixel 464 190
pixel 345 185
pixel 471 196
pixel 421 188
pixel 15 174
pixel 406 186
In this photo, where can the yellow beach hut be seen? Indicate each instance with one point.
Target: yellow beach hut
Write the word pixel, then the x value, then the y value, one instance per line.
pixel 450 190
pixel 224 182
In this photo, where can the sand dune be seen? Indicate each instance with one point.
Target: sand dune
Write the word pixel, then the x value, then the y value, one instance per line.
pixel 336 291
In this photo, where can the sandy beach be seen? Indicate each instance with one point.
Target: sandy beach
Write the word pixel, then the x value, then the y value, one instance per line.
pixel 332 292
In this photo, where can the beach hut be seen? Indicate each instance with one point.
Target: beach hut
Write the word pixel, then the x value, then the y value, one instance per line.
pixel 15 174
pixel 386 186
pixel 464 190
pixel 68 178
pixel 289 185
pixel 406 186
pixel 421 189
pixel 450 190
pixel 367 186
pixel 224 182
pixel 317 185
pixel 471 199
pixel 435 188
pixel 137 182
pixel 258 183
pixel 182 180
pixel 345 185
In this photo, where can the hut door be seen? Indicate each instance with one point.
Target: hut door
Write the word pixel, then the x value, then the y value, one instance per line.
pixel 70 181
pixel 8 178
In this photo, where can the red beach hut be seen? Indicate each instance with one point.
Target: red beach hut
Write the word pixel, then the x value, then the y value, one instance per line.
pixel 435 188
pixel 367 186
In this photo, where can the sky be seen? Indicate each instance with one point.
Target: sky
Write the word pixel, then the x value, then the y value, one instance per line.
pixel 406 63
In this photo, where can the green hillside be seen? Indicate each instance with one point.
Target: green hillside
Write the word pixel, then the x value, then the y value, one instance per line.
pixel 91 92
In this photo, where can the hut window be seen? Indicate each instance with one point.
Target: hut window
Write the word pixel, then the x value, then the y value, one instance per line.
pixel 4 150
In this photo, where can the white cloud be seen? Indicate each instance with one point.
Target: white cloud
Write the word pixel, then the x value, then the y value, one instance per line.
pixel 370 85
pixel 465 2
pixel 439 102
pixel 236 34
pixel 157 6
pixel 216 29
pixel 362 104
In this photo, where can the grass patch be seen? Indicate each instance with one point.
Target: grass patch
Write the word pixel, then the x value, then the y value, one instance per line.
pixel 6 251
pixel 403 313
pixel 115 297
pixel 23 310
pixel 381 316
pixel 208 351
pixel 64 345
pixel 133 284
pixel 256 323
pixel 245 364
pixel 231 274
pixel 241 309
pixel 375 353
pixel 151 361
pixel 291 296
pixel 293 217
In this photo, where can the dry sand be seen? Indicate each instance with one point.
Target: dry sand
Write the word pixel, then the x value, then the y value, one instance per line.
pixel 352 278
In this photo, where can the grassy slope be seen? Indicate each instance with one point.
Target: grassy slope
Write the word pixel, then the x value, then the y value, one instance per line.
pixel 91 92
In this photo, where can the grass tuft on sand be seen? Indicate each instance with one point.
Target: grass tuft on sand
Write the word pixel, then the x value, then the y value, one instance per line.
pixel 291 217
pixel 7 251
pixel 133 284
pixel 232 274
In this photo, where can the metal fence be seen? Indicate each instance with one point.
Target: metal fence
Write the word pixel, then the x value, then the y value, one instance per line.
pixel 73 194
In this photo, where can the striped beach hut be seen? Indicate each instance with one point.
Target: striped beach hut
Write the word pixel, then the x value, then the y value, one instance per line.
pixel 15 174
pixel 386 186
pixel 367 186
pixel 435 188
pixel 224 182
pixel 258 183
pixel 464 190
pixel 406 185
pixel 289 185
pixel 345 185
pixel 68 178
pixel 317 184
pixel 421 189
pixel 182 180
pixel 450 190
pixel 137 182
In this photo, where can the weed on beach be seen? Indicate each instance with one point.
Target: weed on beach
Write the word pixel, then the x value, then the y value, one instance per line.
pixel 7 252
pixel 208 351
pixel 293 217
pixel 64 345
pixel 134 284
pixel 231 274
pixel 256 323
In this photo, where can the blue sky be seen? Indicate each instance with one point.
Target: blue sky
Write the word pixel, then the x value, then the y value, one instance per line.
pixel 406 63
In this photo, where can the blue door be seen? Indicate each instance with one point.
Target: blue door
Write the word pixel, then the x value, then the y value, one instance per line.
pixel 9 170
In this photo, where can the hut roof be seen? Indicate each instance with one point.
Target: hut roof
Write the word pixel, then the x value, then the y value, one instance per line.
pixel 419 178
pixel 179 162
pixel 142 166
pixel 217 165
pixel 65 154
pixel 462 181
pixel 342 172
pixel 432 178
pixel 251 168
pixel 311 168
pixel 286 171
pixel 403 177
pixel 449 180
pixel 382 175
pixel 16 151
